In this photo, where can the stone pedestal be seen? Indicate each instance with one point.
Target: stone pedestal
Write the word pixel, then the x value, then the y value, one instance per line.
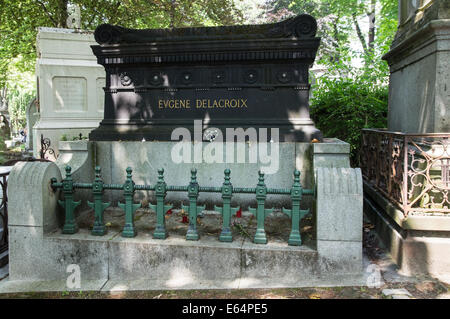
pixel 419 102
pixel 32 116
pixel 419 60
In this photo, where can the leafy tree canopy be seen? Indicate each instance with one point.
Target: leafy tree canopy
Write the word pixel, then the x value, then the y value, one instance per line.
pixel 372 22
pixel 20 19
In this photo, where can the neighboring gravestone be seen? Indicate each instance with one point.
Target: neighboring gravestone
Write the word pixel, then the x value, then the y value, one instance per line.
pixel 5 127
pixel 74 19
pixel 32 116
pixel 5 132
pixel 70 85
pixel 240 76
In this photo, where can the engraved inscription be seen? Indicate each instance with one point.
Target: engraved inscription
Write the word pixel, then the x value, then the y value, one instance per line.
pixel 202 104
pixel 69 94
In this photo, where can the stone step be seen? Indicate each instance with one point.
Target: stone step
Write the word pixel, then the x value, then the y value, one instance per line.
pixel 175 261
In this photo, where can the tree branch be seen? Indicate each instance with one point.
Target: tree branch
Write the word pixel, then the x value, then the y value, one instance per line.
pixel 359 32
pixel 371 16
pixel 47 12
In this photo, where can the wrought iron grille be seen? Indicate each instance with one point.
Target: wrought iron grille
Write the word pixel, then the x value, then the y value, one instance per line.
pixel 46 152
pixel 411 170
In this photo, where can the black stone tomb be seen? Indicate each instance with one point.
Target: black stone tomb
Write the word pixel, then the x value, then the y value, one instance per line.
pixel 234 76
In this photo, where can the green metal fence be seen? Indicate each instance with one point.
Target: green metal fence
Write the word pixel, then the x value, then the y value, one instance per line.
pixel 160 189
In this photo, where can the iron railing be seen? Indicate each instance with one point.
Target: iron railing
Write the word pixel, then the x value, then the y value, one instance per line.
pixel 46 152
pixel 193 189
pixel 411 170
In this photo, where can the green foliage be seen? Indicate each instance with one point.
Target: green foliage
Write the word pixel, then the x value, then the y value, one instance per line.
pixel 2 145
pixel 342 106
pixel 77 138
pixel 65 137
pixel 18 91
pixel 340 23
pixel 20 19
pixel 18 101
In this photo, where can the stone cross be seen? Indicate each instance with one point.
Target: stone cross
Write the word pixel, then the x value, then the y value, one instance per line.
pixel 74 18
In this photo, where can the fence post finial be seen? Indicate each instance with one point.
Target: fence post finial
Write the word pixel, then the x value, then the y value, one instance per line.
pixel 129 207
pixel 69 205
pixel 193 209
pixel 160 209
pixel 260 211
pixel 99 228
pixel 296 214
pixel 227 211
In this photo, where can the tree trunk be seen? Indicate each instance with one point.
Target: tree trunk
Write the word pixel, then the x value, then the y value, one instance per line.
pixel 335 57
pixel 62 13
pixel 172 14
pixel 359 33
pixel 371 15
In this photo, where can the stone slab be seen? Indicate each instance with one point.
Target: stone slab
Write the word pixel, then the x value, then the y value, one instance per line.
pixel 339 204
pixel 118 286
pixel 181 283
pixel 17 286
pixel 331 146
pixel 397 293
pixel 286 264
pixel 340 256
pixel 35 257
pixel 173 259
pixel 332 153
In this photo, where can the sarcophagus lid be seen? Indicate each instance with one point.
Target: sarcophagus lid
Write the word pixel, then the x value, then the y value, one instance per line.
pixel 228 77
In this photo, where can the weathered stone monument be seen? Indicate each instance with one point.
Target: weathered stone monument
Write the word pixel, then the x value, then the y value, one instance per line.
pixel 419 95
pixel 70 83
pixel 133 213
pixel 406 168
pixel 32 116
